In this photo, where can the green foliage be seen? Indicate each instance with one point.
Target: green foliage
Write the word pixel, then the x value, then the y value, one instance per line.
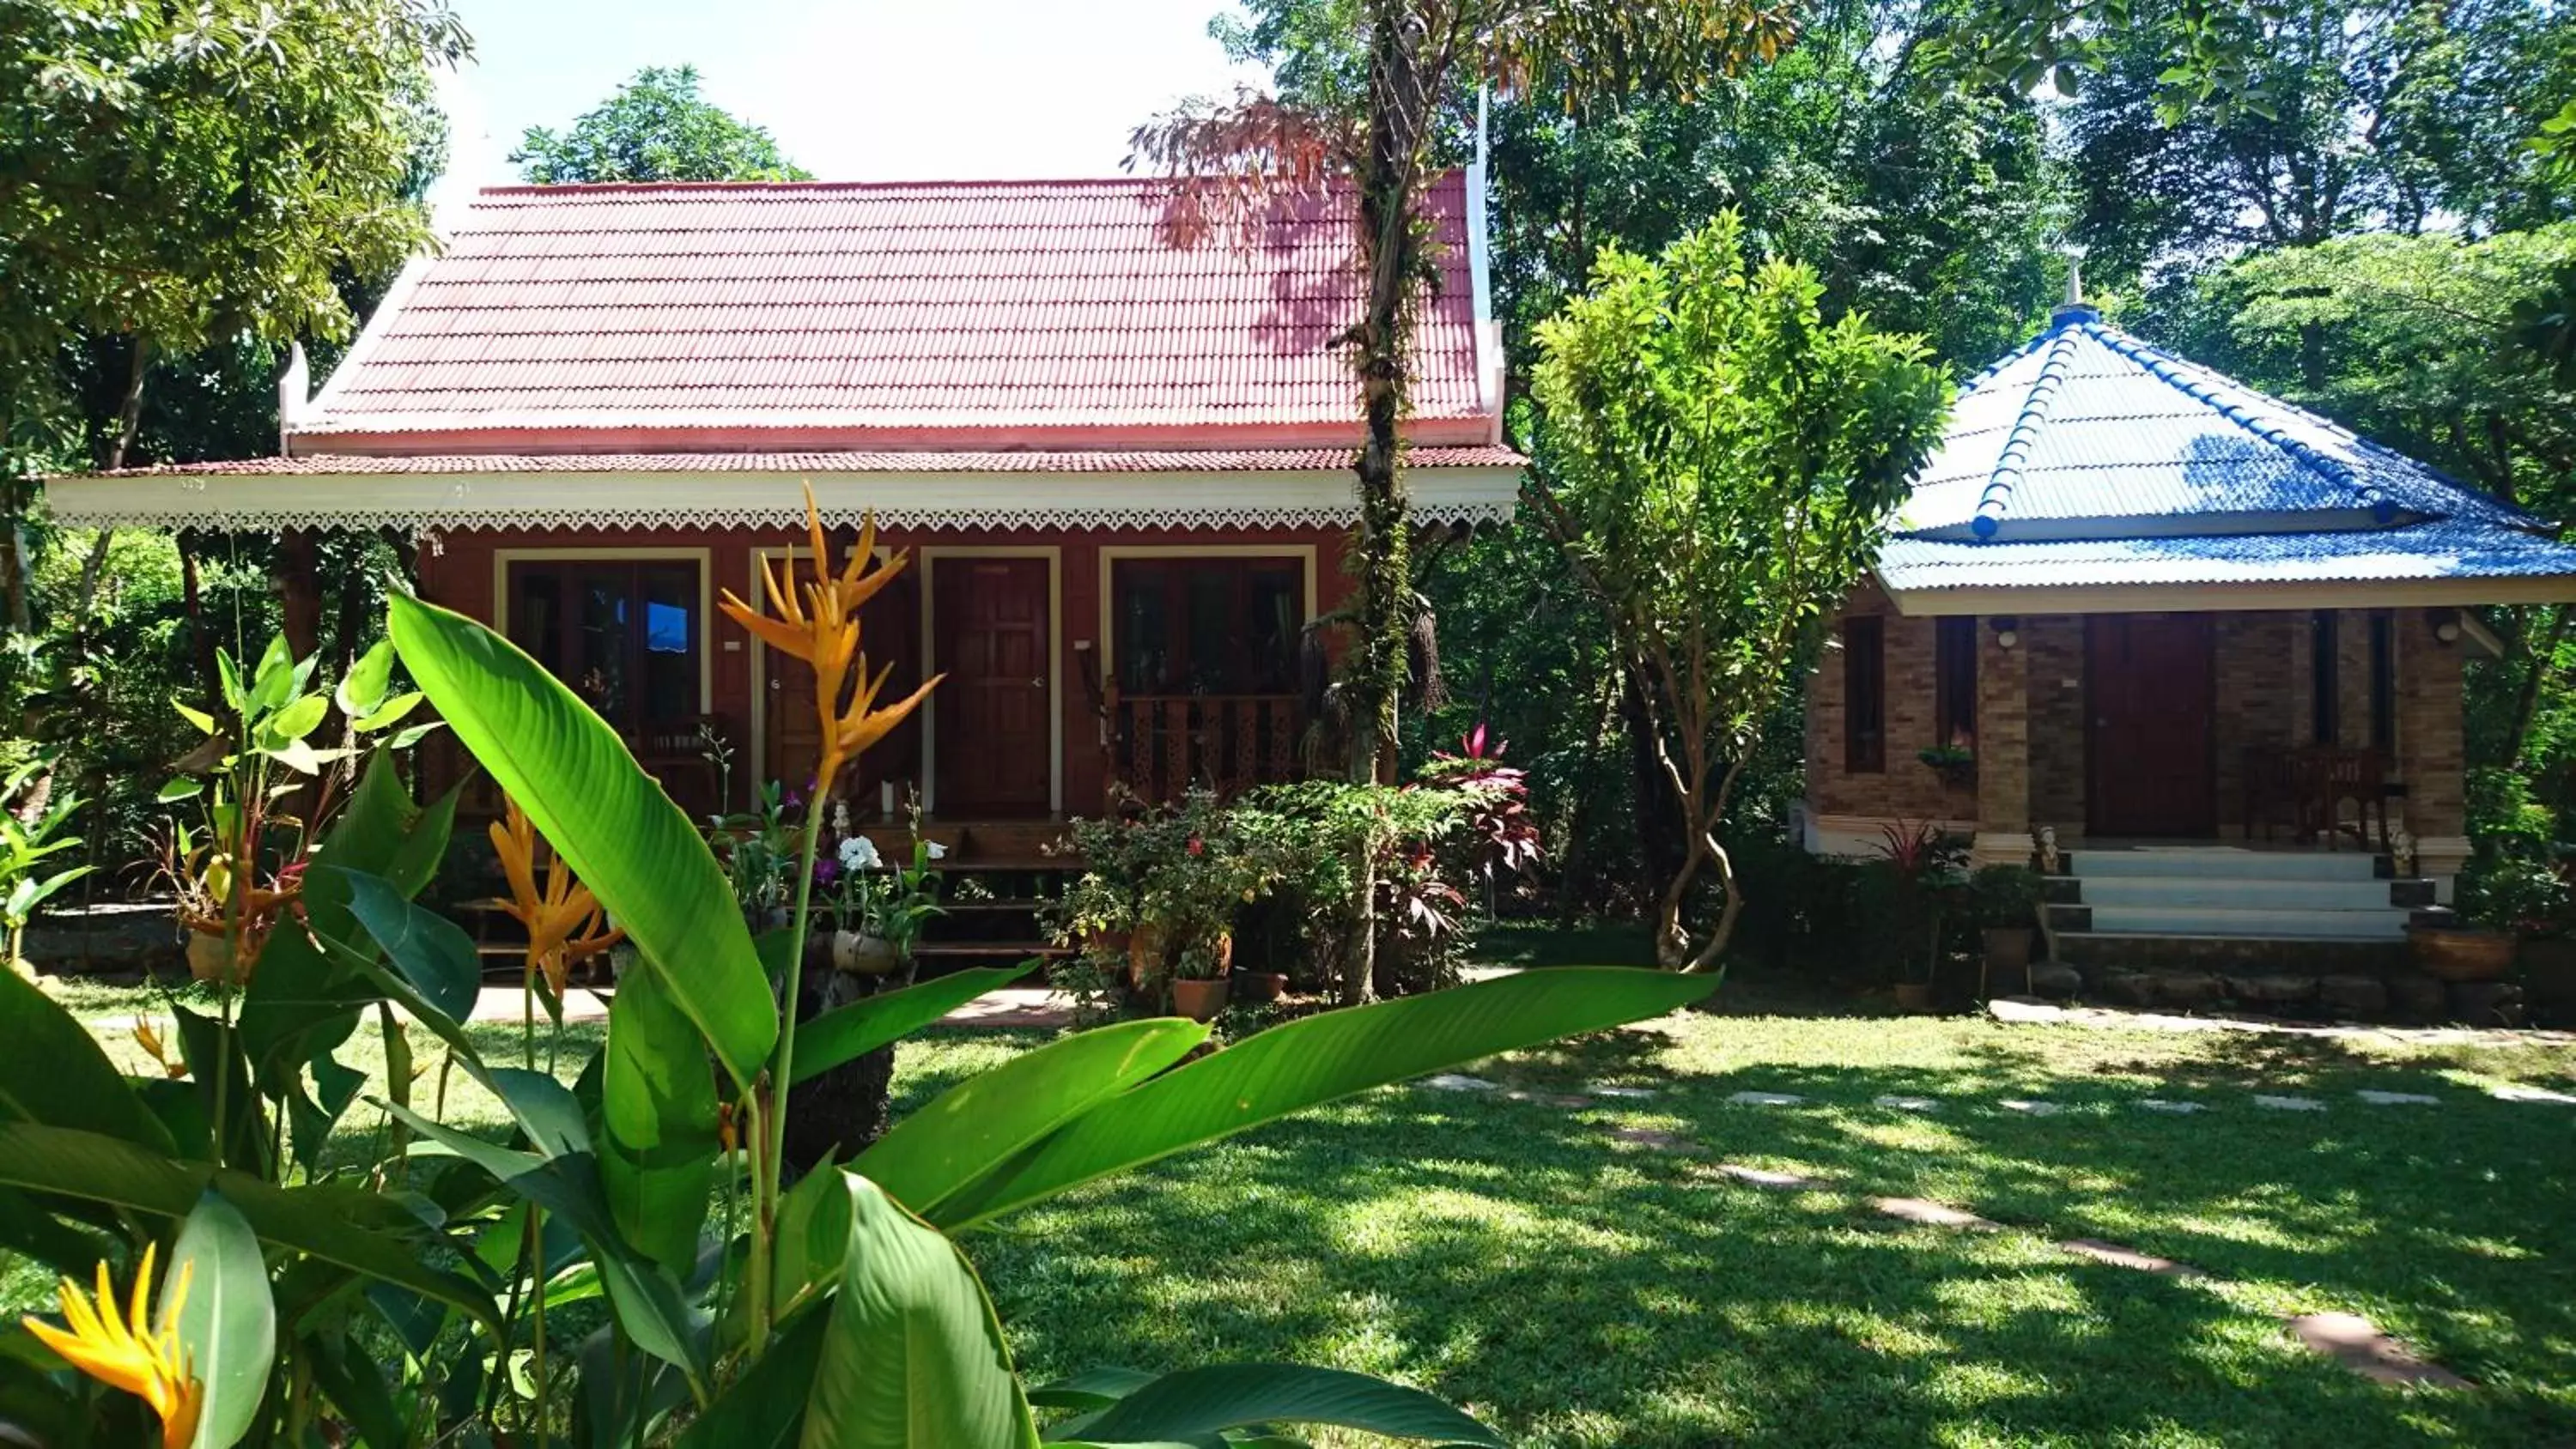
pixel 32 819
pixel 2340 119
pixel 655 128
pixel 839 1297
pixel 1719 463
pixel 186 174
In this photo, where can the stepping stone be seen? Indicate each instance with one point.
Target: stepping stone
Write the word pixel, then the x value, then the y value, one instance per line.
pixel 2120 1257
pixel 1765 1177
pixel 1911 1104
pixel 1600 1090
pixel 2022 1009
pixel 2357 1344
pixel 2532 1094
pixel 1933 1214
pixel 2290 1104
pixel 2158 1104
pixel 1452 1082
pixel 2030 1108
pixel 1550 1099
pixel 1659 1141
pixel 2398 1099
pixel 1765 1099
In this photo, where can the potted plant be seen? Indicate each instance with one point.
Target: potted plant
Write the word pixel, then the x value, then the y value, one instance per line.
pixel 2006 901
pixel 1955 763
pixel 1921 866
pixel 1199 978
pixel 2501 894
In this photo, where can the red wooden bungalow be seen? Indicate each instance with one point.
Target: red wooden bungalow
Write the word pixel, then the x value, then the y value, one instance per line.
pixel 1122 466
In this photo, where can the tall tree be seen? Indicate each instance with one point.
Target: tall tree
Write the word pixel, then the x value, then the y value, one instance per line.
pixel 1720 462
pixel 1375 80
pixel 655 128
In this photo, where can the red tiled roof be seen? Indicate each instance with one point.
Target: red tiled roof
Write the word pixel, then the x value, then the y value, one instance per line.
pixel 1046 314
pixel 1102 461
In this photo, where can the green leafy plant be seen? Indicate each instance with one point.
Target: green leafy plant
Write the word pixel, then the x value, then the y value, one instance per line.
pixel 32 817
pixel 2005 896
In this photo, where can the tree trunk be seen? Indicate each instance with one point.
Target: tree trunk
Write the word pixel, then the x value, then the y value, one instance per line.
pixel 2541 659
pixel 845 1110
pixel 201 640
pixel 1661 832
pixel 1387 246
pixel 292 573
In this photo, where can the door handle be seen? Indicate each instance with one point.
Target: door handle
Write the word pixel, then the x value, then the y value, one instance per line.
pixel 1037 683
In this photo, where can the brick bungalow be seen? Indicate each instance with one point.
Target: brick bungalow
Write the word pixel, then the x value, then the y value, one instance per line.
pixel 2144 605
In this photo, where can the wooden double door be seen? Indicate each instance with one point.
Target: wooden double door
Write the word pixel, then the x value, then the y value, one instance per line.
pixel 2151 686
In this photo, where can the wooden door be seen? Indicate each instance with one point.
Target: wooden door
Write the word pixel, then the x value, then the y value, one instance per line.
pixel 2151 684
pixel 993 629
pixel 890 633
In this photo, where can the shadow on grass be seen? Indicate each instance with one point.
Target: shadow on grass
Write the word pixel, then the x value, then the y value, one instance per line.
pixel 1580 1291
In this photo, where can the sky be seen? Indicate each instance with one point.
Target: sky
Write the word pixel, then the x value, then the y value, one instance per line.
pixel 860 90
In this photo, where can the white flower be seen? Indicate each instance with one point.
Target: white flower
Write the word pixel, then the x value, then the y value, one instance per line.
pixel 860 853
pixel 937 850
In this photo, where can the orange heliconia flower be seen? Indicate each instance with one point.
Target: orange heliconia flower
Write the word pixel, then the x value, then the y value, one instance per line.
pixel 817 620
pixel 564 922
pixel 124 1351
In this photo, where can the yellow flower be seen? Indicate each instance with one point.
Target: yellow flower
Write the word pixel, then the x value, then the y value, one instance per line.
pixel 564 922
pixel 150 1040
pixel 817 620
pixel 126 1353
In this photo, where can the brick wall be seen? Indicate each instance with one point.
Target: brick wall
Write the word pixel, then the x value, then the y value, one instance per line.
pixel 2055 643
pixel 2264 684
pixel 1907 787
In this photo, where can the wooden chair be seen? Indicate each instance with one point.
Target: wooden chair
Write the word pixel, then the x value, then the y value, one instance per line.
pixel 2330 775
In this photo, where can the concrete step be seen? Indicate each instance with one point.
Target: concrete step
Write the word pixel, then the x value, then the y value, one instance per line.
pixel 2250 922
pixel 2228 862
pixel 2192 890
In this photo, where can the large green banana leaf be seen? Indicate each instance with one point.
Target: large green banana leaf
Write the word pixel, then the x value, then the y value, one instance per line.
pixel 621 833
pixel 350 1228
pixel 1289 1068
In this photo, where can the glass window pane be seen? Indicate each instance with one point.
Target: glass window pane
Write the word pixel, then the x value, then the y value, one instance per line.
pixel 600 668
pixel 669 645
pixel 1271 633
pixel 1144 647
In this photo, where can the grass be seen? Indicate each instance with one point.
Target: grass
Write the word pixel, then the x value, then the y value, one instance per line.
pixel 1575 1290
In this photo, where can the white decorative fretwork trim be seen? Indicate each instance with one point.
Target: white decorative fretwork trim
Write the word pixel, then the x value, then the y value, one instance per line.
pixel 701 502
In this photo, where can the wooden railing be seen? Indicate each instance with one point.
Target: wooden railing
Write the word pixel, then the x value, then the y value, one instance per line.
pixel 1161 745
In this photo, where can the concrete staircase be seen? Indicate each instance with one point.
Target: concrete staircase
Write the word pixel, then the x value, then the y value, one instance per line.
pixel 2213 905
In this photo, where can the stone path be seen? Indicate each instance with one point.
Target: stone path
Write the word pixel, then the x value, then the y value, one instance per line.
pixel 2356 1343
pixel 2349 1339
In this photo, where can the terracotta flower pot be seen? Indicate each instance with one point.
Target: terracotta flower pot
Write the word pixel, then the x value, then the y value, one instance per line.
pixel 1914 998
pixel 1200 1000
pixel 1256 988
pixel 2456 954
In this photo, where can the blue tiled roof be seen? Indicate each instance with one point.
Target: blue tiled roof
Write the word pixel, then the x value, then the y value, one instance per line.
pixel 2091 457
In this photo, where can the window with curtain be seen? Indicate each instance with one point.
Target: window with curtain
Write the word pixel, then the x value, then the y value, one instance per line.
pixel 624 634
pixel 1954 681
pixel 1864 695
pixel 1208 625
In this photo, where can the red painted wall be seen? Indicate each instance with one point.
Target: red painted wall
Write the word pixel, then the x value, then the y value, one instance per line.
pixel 457 570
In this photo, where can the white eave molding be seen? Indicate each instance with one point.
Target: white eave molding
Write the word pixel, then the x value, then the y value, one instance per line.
pixel 435 502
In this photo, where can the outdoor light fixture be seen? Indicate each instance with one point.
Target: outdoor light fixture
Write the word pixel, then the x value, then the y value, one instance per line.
pixel 2446 624
pixel 2007 631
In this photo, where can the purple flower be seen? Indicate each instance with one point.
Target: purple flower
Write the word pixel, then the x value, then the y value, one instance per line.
pixel 826 871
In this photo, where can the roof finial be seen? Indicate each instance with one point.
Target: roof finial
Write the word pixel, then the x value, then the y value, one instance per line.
pixel 2074 309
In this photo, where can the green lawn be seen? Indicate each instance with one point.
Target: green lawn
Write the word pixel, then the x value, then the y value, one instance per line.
pixel 1577 1290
